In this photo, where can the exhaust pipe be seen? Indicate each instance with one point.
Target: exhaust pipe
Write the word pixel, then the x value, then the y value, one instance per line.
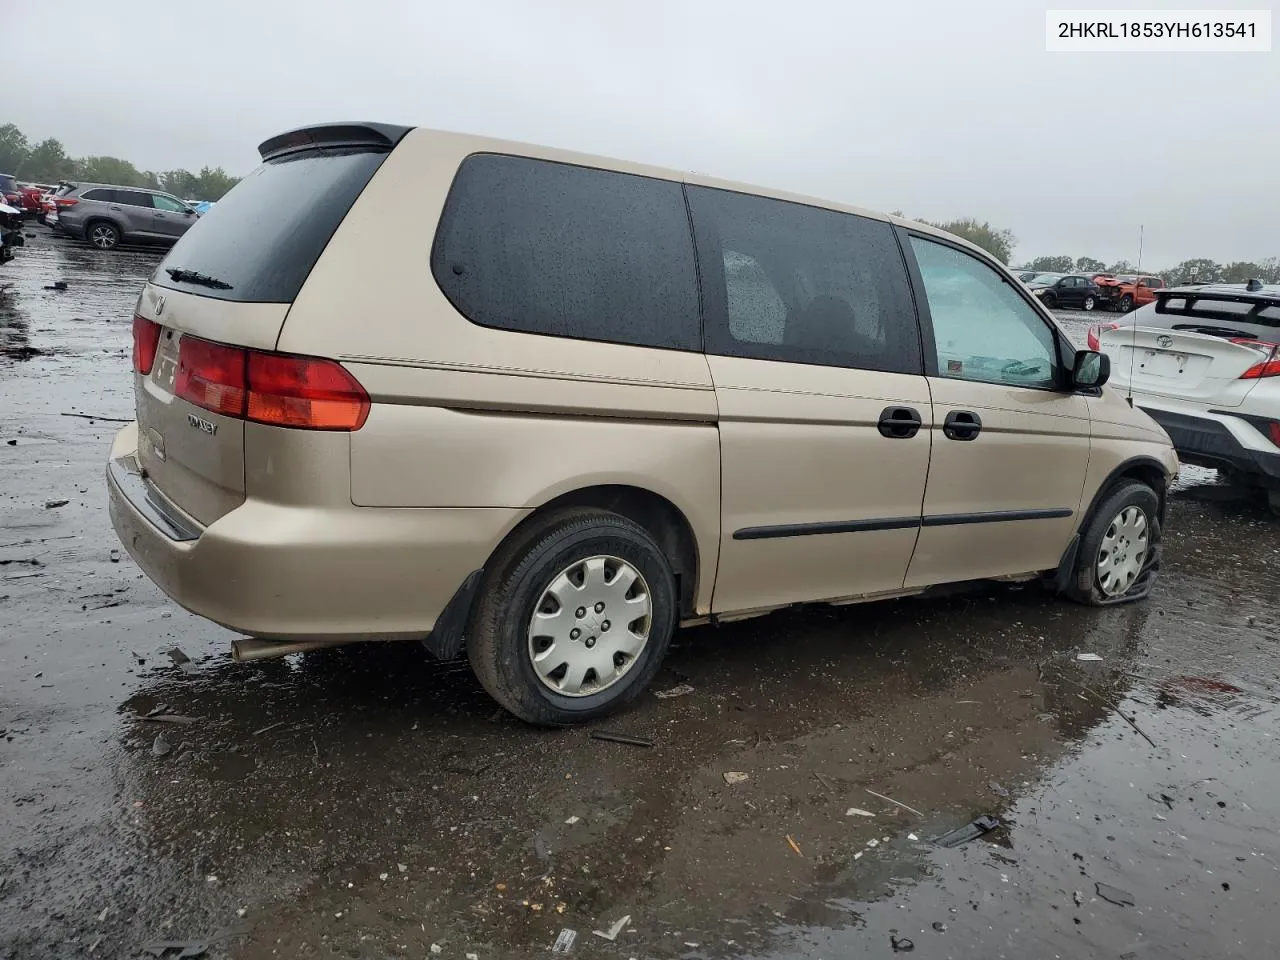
pixel 250 648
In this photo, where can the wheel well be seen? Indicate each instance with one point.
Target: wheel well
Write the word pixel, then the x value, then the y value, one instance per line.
pixel 659 516
pixel 1148 472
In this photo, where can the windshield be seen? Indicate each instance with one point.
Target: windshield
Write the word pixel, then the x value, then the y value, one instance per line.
pixel 259 242
pixel 1045 278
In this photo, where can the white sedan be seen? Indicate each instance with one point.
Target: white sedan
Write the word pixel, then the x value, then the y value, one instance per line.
pixel 1204 362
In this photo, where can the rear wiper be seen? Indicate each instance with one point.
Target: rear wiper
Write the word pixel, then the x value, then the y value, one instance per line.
pixel 190 276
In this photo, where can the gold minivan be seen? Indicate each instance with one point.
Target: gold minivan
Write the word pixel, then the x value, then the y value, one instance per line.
pixel 545 408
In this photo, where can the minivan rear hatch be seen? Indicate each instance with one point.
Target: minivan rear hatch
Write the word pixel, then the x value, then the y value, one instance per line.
pixel 218 300
pixel 1201 344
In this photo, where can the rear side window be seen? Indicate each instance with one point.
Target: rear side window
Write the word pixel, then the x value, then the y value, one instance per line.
pixel 260 241
pixel 785 281
pixel 1224 318
pixel 100 194
pixel 133 198
pixel 549 248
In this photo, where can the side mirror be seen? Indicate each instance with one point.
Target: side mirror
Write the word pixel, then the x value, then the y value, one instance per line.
pixel 1091 370
pixel 188 212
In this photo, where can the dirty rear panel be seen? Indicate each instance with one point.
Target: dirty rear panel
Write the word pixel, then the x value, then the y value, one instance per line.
pixel 232 280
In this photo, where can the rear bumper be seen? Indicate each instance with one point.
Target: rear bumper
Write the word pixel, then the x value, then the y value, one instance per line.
pixel 287 572
pixel 1215 441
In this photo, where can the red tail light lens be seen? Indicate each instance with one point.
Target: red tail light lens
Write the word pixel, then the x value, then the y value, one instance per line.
pixel 61 202
pixel 1273 430
pixel 146 339
pixel 304 392
pixel 211 376
pixel 1096 331
pixel 1269 366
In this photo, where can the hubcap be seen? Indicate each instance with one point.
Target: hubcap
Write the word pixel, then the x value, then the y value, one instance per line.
pixel 590 626
pixel 1123 551
pixel 103 237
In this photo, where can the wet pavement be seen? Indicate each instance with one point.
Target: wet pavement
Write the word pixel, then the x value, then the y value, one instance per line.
pixel 371 803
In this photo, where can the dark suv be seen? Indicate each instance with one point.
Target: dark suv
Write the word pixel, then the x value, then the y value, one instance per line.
pixel 1073 290
pixel 107 215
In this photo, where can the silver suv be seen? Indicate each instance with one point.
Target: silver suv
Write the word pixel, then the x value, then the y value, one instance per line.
pixel 107 215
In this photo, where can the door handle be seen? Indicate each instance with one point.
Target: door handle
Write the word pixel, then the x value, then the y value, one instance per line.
pixel 961 425
pixel 115 208
pixel 899 423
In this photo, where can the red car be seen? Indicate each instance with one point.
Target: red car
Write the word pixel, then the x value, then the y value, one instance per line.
pixel 1127 292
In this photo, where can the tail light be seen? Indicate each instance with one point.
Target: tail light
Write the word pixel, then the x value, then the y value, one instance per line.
pixel 1096 331
pixel 146 339
pixel 307 393
pixel 1273 430
pixel 63 202
pixel 1268 366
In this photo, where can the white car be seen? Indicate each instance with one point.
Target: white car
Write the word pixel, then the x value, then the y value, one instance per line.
pixel 1204 362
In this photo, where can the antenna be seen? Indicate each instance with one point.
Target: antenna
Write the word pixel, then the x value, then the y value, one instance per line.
pixel 1133 342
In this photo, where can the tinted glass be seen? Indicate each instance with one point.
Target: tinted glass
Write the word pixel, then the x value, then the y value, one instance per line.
pixel 785 281
pixel 101 194
pixel 165 203
pixel 569 251
pixel 264 236
pixel 133 198
pixel 1217 317
pixel 982 329
pixel 8 184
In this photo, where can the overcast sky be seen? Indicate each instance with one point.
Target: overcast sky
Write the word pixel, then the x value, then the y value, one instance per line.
pixel 936 107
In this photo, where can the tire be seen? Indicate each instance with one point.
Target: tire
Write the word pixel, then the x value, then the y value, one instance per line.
pixel 1109 532
pixel 102 234
pixel 1090 303
pixel 1050 301
pixel 1126 303
pixel 521 582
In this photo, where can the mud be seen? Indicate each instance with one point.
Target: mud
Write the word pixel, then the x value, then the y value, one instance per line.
pixel 368 802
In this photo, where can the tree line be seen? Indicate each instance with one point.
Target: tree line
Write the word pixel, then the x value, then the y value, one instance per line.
pixel 47 162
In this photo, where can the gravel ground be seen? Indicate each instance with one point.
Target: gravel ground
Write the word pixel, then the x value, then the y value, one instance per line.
pixel 369 803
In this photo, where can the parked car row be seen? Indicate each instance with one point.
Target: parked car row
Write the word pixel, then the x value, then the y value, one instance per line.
pixel 1090 291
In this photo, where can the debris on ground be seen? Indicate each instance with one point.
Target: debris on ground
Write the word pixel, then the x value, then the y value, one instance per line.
pixel 56 285
pixel 94 416
pixel 1077 896
pixel 1088 658
pixel 564 942
pixel 1121 898
pixel 896 803
pixel 618 926
pixel 54 504
pixel 114 555
pixel 179 658
pixel 901 944
pixel 939 926
pixel 970 831
pixel 735 776
pixel 171 718
pixel 184 948
pixel 678 691
pixel 573 819
pixel 160 746
pixel 830 787
pixel 437 949
pixel 624 738
pixel 912 836
pixel 269 727
pixel 794 846
pixel 858 812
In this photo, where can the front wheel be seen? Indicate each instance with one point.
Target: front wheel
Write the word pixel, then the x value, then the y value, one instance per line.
pixel 1090 303
pixel 1126 303
pixel 573 618
pixel 1119 556
pixel 1050 301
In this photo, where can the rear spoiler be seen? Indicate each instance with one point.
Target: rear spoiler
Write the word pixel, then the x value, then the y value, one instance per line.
pixel 377 136
pixel 1259 302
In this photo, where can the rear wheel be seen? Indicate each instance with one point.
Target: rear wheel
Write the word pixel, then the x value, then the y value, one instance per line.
pixel 1119 548
pixel 103 235
pixel 574 617
pixel 1090 303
